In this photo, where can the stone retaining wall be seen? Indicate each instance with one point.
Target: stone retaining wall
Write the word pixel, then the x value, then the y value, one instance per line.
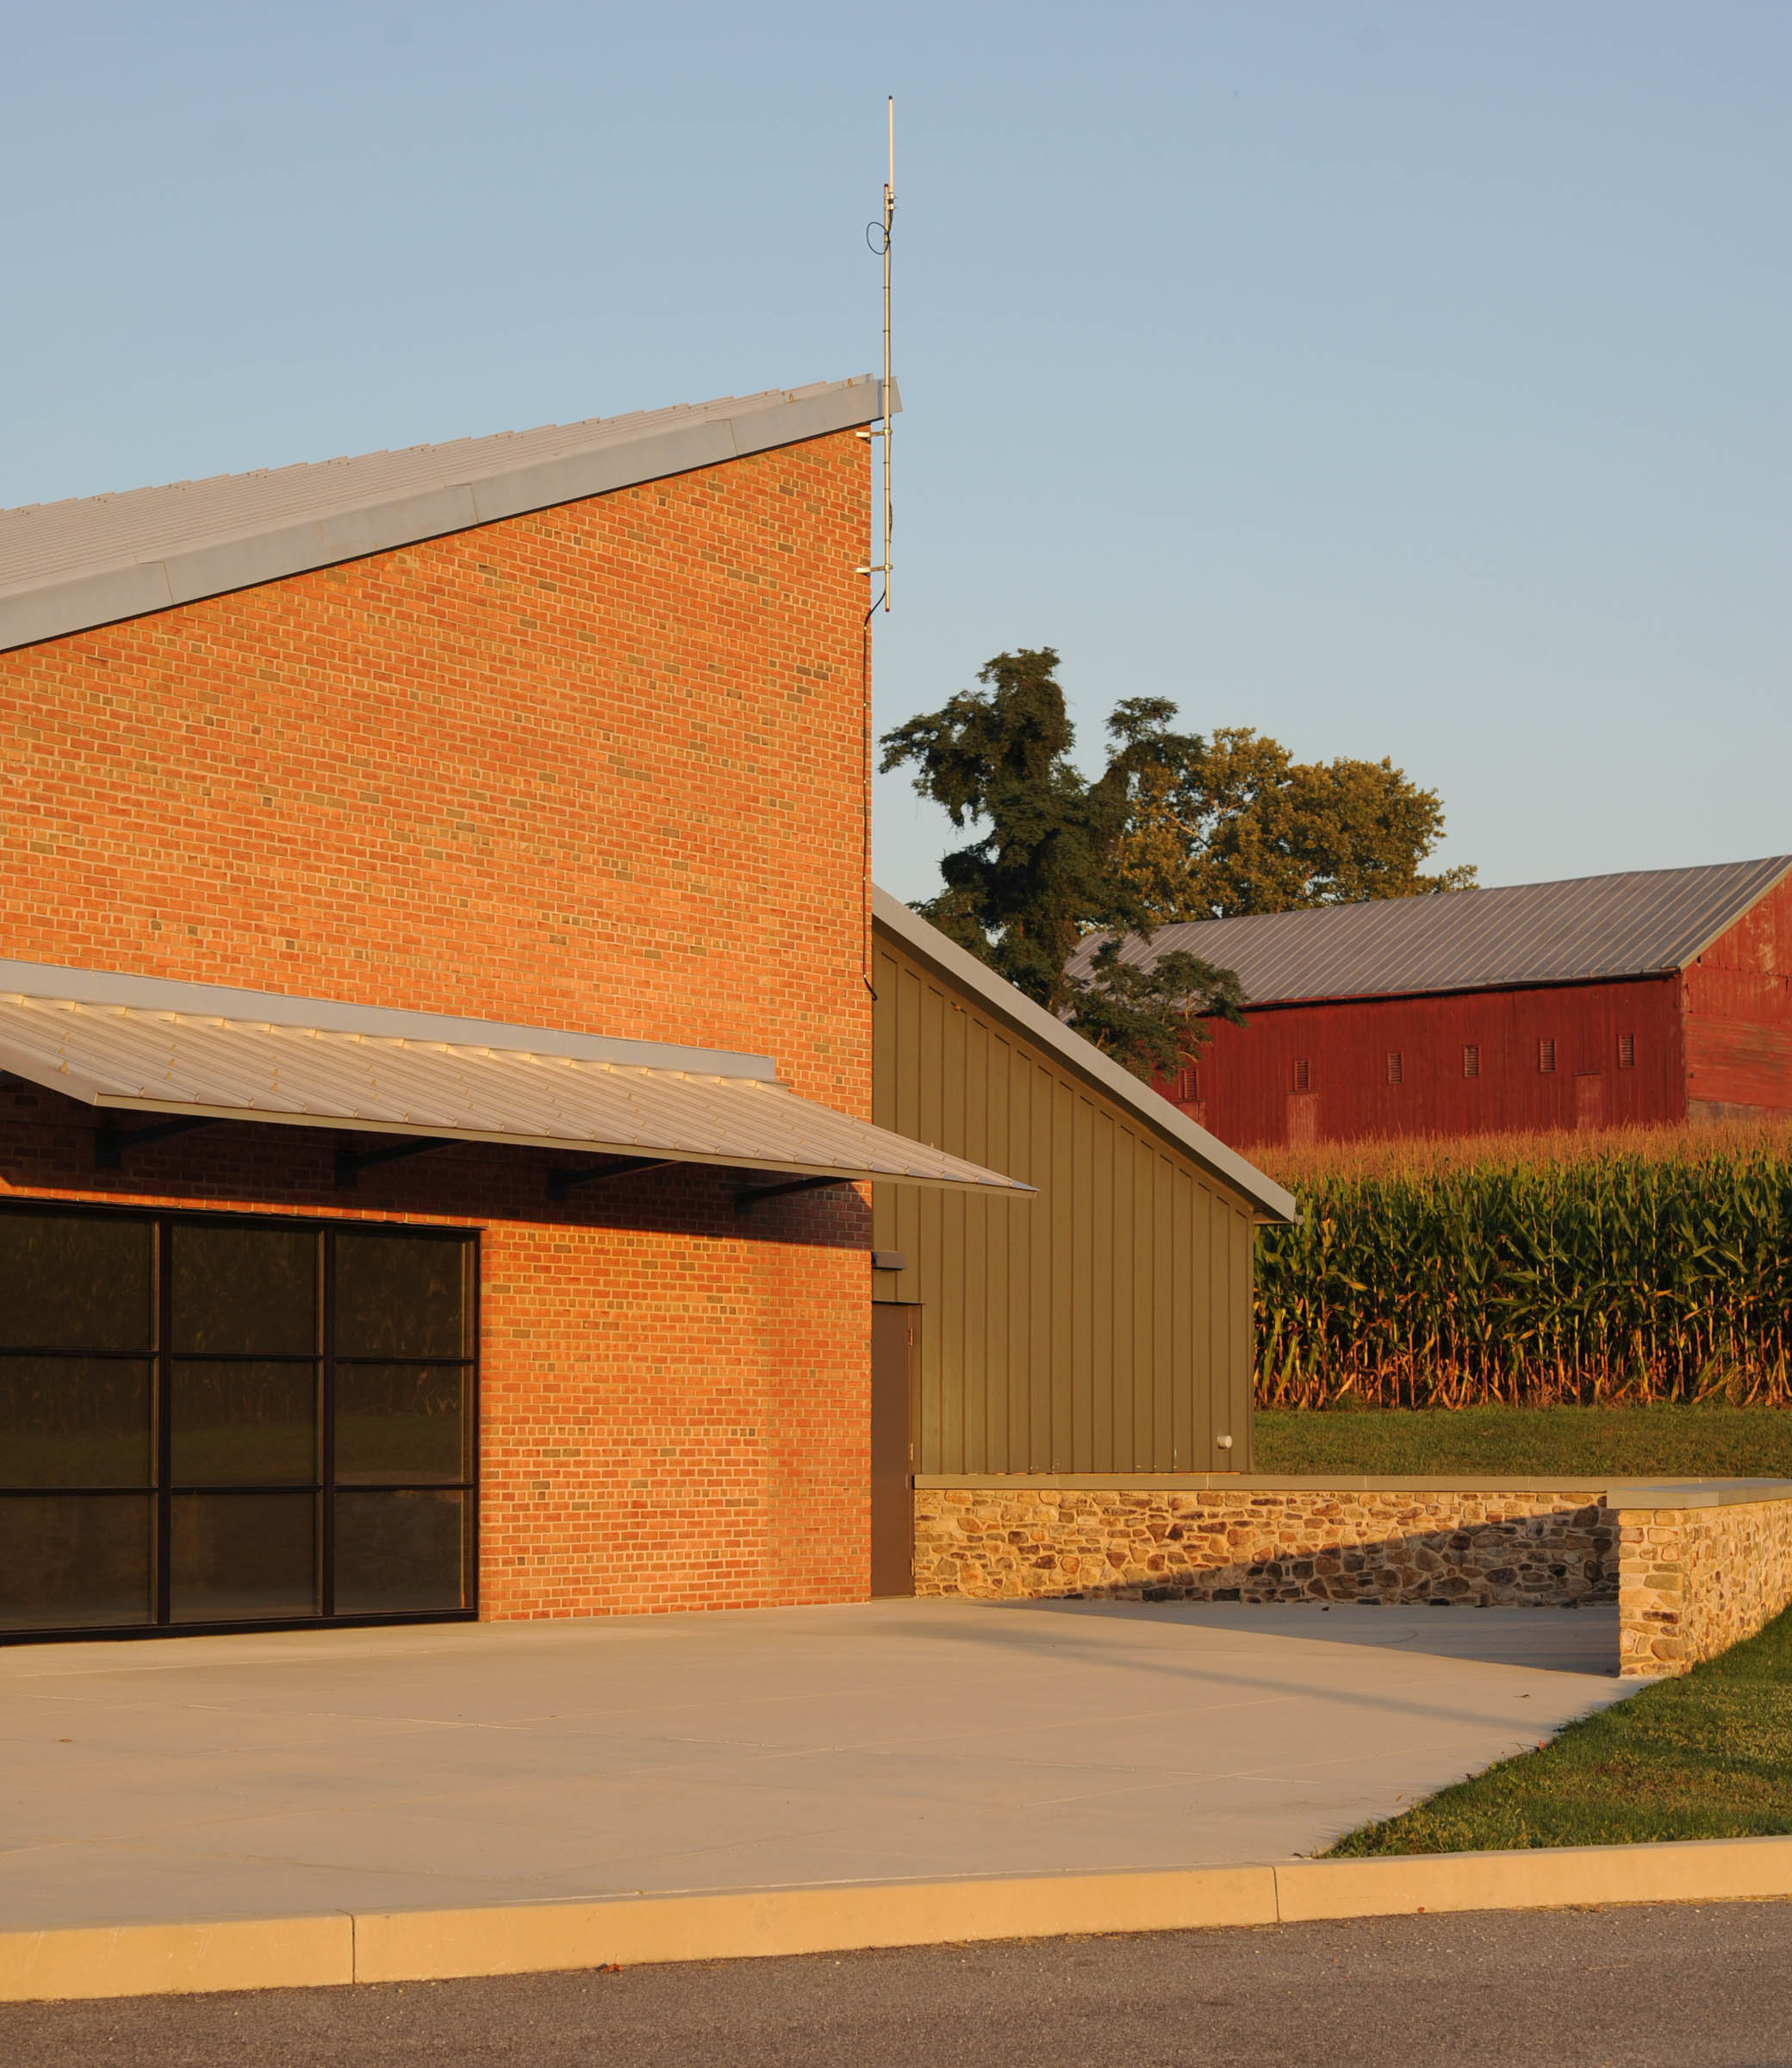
pixel 1694 1567
pixel 1693 1581
pixel 1398 1546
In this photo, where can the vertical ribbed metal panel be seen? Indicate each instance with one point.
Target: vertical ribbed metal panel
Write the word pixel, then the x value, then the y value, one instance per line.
pixel 1246 1081
pixel 1104 1326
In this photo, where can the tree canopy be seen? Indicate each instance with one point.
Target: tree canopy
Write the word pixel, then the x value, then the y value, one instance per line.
pixel 1175 827
pixel 1236 825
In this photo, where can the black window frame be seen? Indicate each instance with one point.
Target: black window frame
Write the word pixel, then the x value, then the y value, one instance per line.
pixel 163 1491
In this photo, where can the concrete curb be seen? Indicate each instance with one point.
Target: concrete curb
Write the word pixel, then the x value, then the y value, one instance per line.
pixel 416 1945
pixel 177 1959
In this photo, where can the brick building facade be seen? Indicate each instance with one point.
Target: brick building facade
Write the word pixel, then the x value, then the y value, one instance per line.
pixel 595 764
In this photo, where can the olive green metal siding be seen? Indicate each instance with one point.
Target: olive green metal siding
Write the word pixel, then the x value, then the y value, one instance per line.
pixel 1104 1325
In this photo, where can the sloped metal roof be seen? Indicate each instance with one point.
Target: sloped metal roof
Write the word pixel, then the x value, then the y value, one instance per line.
pixel 728 1110
pixel 1591 928
pixel 977 980
pixel 96 558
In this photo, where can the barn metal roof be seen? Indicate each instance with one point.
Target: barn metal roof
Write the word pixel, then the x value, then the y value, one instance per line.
pixel 64 566
pixel 977 980
pixel 1592 928
pixel 205 1052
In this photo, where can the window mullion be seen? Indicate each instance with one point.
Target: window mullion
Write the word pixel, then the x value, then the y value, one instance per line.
pixel 327 1426
pixel 164 1421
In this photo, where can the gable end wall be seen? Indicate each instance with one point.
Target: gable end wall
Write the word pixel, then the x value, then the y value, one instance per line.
pixel 1737 1004
pixel 1102 1326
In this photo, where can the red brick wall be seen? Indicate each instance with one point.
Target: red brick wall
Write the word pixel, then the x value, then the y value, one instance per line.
pixel 1739 1016
pixel 1245 1088
pixel 602 767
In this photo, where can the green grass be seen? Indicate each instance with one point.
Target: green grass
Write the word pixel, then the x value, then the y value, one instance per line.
pixel 1714 1442
pixel 1706 1756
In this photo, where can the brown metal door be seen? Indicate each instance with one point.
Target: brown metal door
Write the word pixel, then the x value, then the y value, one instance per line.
pixel 1589 1099
pixel 892 1500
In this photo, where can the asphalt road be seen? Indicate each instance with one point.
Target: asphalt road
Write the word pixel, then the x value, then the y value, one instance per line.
pixel 1699 1987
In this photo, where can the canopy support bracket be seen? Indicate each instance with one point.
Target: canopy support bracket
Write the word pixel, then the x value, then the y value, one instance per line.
pixel 745 1201
pixel 351 1162
pixel 560 1182
pixel 110 1143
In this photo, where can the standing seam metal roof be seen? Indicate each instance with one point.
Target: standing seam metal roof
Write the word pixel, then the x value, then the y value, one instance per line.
pixel 94 559
pixel 1645 922
pixel 151 1046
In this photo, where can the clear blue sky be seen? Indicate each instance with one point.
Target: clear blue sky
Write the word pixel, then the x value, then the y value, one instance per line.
pixel 1398 379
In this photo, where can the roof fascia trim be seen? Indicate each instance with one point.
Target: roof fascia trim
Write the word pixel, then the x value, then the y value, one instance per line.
pixel 138 588
pixel 1040 1026
pixel 1664 974
pixel 848 1174
pixel 272 1008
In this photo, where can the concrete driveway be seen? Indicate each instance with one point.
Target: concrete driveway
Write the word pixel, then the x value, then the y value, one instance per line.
pixel 231 1777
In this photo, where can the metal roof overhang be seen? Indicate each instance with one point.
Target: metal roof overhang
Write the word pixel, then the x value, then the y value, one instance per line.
pixel 95 559
pixel 496 1084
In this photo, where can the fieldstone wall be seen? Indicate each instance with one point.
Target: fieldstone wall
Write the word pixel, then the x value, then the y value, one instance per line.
pixel 1527 1548
pixel 1693 1581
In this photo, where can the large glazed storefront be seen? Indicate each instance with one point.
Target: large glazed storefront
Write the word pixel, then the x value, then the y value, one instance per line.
pixel 209 1420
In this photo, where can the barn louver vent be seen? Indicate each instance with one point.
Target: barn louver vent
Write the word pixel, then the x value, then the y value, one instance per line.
pixel 1627 1051
pixel 1302 1077
pixel 1547 1055
pixel 1471 1059
pixel 1396 1073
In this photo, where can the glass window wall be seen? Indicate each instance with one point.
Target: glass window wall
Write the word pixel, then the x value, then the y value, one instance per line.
pixel 206 1421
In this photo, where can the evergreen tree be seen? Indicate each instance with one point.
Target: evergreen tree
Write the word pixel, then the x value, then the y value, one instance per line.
pixel 1046 872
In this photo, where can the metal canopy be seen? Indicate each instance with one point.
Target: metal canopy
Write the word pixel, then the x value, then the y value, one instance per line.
pixel 141 1059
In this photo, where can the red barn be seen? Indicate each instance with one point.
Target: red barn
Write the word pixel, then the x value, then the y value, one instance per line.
pixel 1663 995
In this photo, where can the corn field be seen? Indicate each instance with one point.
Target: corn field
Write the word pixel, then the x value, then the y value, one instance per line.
pixel 1641 1266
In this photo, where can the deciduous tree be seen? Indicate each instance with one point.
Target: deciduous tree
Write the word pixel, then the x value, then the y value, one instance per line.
pixel 1236 825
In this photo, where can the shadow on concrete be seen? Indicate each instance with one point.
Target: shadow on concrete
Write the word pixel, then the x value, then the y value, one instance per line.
pixel 1583 1639
pixel 1570 1639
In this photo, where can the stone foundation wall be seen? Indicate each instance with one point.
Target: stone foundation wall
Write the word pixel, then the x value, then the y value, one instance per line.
pixel 1693 1581
pixel 1524 1548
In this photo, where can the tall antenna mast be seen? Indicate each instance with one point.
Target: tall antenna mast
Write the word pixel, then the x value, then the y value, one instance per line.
pixel 884 566
pixel 889 217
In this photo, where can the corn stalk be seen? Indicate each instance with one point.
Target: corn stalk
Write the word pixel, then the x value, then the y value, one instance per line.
pixel 1636 1269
